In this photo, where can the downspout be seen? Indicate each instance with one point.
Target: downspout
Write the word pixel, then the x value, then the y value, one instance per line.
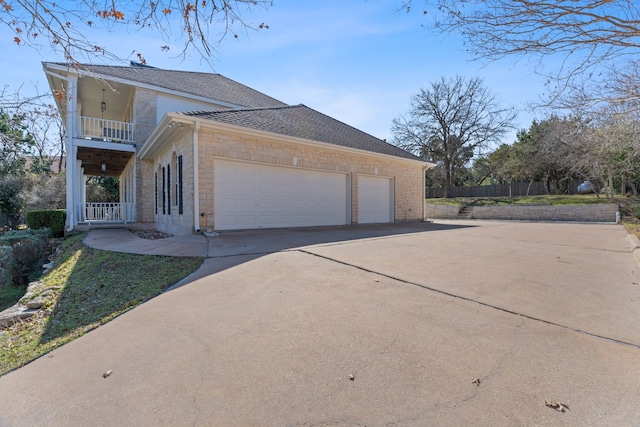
pixel 196 184
pixel 424 193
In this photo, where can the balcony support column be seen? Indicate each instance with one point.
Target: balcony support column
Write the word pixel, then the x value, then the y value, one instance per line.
pixel 72 152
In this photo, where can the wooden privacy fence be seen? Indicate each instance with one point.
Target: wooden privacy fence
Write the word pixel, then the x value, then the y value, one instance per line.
pixel 516 189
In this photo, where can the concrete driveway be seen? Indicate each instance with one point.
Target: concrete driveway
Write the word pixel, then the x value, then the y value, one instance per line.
pixel 371 326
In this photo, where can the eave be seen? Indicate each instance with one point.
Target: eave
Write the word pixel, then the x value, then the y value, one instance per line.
pixel 163 135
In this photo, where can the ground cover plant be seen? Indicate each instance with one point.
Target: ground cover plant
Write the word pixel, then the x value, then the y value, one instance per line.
pixel 85 289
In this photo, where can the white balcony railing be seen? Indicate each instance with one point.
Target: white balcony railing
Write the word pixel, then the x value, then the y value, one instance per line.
pixel 106 130
pixel 109 212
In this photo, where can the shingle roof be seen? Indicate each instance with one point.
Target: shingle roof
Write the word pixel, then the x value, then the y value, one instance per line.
pixel 211 86
pixel 303 122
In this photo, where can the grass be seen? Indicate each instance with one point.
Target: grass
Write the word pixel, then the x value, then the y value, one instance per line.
pixel 85 289
pixel 548 200
pixel 10 295
pixel 632 228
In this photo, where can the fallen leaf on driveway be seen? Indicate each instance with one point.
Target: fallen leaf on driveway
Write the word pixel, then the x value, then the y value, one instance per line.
pixel 475 381
pixel 560 407
pixel 106 374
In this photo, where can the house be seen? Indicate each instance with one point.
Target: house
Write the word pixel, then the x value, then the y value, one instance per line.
pixel 198 151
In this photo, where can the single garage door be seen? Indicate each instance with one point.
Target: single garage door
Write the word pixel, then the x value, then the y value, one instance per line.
pixel 375 199
pixel 248 195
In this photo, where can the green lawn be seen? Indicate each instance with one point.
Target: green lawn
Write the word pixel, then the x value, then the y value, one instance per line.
pixel 87 288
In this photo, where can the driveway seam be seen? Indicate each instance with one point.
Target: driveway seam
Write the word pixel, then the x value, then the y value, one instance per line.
pixel 463 298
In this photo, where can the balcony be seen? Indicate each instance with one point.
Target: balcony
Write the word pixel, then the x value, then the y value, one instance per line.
pixel 97 129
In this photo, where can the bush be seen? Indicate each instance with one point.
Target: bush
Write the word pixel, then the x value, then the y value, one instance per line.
pixel 53 219
pixel 6 266
pixel 28 248
pixel 11 200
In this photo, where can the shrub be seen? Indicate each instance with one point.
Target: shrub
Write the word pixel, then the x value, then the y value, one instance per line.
pixel 6 266
pixel 28 247
pixel 53 219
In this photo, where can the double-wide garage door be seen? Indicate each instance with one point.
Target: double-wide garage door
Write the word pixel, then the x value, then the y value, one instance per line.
pixel 248 195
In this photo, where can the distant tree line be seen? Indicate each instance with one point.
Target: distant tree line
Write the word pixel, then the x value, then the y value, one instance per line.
pixel 560 151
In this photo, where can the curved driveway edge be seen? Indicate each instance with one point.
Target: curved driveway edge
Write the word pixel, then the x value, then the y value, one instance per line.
pixel 122 240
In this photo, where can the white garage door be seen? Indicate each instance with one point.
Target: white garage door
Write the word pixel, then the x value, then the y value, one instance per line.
pixel 375 200
pixel 249 196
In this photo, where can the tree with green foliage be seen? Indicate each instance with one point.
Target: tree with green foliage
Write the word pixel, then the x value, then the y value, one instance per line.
pixel 103 189
pixel 16 143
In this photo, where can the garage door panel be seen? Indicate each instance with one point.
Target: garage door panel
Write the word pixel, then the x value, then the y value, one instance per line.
pixel 375 200
pixel 272 196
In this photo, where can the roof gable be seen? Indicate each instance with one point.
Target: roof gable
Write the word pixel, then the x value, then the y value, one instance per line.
pixel 204 85
pixel 303 122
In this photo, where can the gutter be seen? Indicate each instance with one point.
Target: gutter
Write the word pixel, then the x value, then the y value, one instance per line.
pixel 196 184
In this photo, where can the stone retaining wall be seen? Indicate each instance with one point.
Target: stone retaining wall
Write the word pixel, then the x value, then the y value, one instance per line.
pixel 441 211
pixel 582 213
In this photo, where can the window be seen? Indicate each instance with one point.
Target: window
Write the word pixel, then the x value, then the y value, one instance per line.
pixel 155 189
pixel 169 189
pixel 164 197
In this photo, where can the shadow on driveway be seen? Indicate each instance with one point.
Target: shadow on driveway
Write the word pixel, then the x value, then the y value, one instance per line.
pixel 233 248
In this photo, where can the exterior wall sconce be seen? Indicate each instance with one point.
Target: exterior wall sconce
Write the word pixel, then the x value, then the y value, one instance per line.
pixel 103 104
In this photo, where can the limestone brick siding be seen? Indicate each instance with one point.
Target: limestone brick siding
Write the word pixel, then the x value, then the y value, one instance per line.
pixel 219 144
pixel 174 222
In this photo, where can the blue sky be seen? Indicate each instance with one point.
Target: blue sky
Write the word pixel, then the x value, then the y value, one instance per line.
pixel 357 61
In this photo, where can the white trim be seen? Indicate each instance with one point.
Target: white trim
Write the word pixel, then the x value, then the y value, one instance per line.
pixel 424 193
pixel 196 184
pixel 72 153
pixel 103 145
pixel 188 120
pixel 84 73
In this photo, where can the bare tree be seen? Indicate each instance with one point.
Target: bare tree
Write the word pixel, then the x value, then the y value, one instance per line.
pixel 585 33
pixel 68 27
pixel 451 122
pixel 43 122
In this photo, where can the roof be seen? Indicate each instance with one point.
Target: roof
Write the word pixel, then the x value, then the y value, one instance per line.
pixel 208 85
pixel 303 122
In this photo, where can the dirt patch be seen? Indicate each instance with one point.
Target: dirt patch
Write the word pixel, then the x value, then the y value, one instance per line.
pixel 152 234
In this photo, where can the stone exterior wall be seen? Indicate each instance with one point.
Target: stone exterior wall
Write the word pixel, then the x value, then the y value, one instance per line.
pixel 144 114
pixel 145 190
pixel 214 144
pixel 144 117
pixel 582 213
pixel 174 223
